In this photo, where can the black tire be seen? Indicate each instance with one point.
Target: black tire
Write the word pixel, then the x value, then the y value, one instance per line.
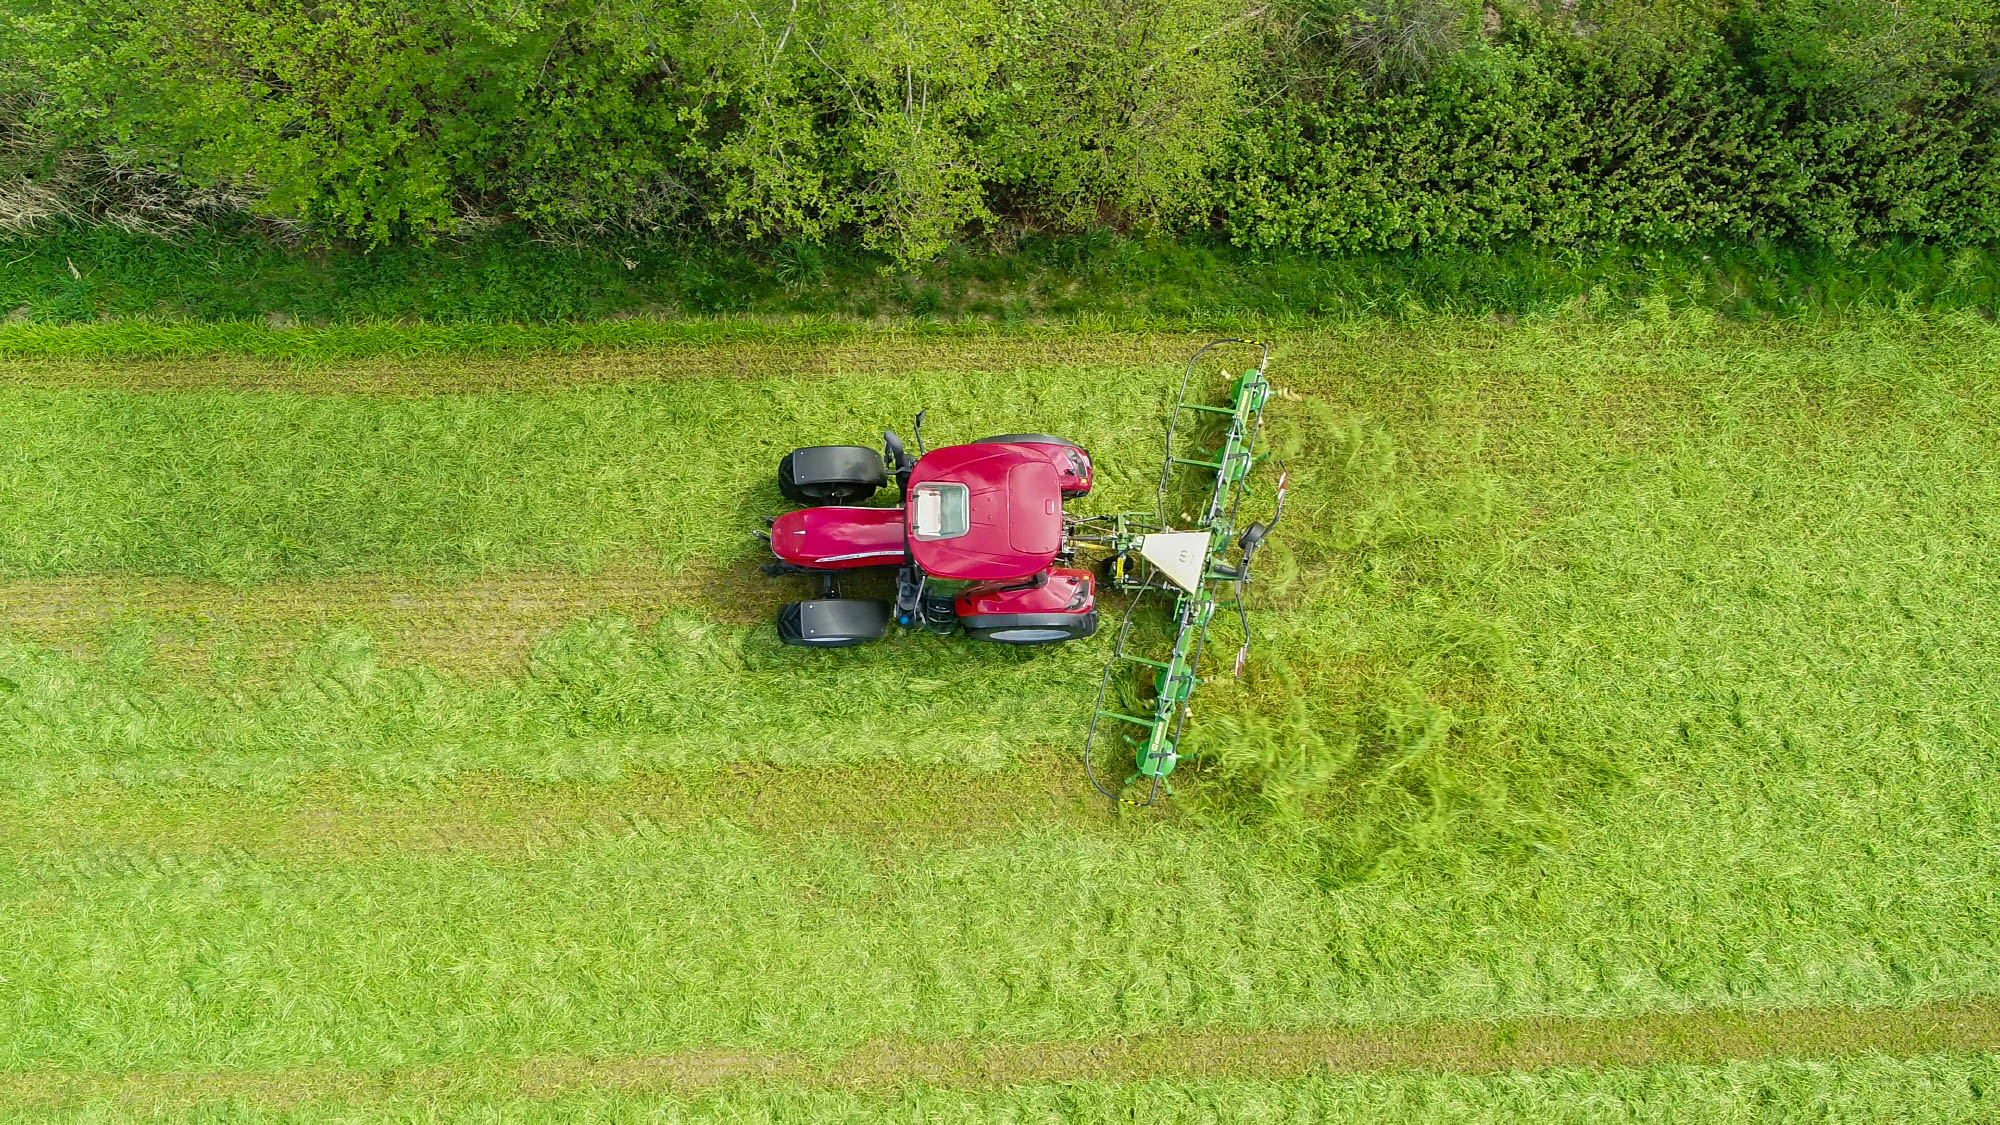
pixel 1107 573
pixel 1040 439
pixel 851 484
pixel 833 622
pixel 1031 628
pixel 1026 439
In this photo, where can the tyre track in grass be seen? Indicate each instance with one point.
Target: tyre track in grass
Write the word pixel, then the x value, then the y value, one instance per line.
pixel 1702 1037
pixel 1334 351
pixel 548 371
pixel 332 819
pixel 477 626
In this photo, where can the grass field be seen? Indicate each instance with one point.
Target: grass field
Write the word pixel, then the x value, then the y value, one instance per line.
pixel 1948 1089
pixel 406 732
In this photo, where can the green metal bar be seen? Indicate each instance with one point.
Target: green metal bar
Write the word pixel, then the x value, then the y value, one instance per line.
pixel 1204 464
pixel 1148 723
pixel 1143 660
pixel 1207 409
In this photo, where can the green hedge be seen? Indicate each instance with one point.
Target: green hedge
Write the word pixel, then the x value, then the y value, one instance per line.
pixel 1741 130
pixel 1320 125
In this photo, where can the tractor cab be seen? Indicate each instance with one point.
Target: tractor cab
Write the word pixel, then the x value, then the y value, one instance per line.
pixel 985 511
pixel 975 540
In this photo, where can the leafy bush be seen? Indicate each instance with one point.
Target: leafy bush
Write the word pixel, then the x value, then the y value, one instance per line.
pixel 1778 122
pixel 1318 125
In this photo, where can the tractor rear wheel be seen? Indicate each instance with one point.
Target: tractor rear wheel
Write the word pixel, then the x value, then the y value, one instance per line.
pixel 833 622
pixel 830 474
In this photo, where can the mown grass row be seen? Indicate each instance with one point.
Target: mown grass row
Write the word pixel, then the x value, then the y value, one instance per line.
pixel 597 700
pixel 141 339
pixel 1947 1089
pixel 674 463
pixel 247 486
pixel 704 934
pixel 1643 669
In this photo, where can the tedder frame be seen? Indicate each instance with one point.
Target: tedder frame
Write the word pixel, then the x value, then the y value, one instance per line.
pixel 1150 557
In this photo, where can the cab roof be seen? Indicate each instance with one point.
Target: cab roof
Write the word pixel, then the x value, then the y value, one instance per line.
pixel 984 512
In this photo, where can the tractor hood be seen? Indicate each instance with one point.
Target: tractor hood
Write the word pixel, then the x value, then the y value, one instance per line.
pixel 984 512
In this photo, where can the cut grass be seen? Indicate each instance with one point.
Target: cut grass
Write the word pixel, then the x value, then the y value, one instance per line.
pixel 676 465
pixel 599 698
pixel 484 625
pixel 1851 1085
pixel 542 364
pixel 1603 670
pixel 236 486
pixel 707 935
pixel 157 339
pixel 402 341
pixel 1946 1089
pixel 329 820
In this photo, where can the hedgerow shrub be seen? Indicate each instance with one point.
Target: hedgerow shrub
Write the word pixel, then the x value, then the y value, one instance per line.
pixel 1321 125
pixel 1779 121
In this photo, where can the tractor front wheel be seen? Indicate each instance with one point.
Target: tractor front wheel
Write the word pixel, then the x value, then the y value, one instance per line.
pixel 1030 628
pixel 1026 439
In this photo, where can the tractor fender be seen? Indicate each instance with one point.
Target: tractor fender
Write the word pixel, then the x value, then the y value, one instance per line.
pixel 838 464
pixel 833 622
pixel 1030 628
pixel 1062 591
pixel 1071 461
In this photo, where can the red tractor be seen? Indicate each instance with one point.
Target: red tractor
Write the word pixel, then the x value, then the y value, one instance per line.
pixel 979 541
pixel 978 538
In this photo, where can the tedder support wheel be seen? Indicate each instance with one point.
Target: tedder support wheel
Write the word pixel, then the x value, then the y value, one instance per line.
pixel 833 622
pixel 830 474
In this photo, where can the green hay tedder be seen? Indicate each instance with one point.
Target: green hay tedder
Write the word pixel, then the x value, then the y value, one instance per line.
pixel 1211 451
